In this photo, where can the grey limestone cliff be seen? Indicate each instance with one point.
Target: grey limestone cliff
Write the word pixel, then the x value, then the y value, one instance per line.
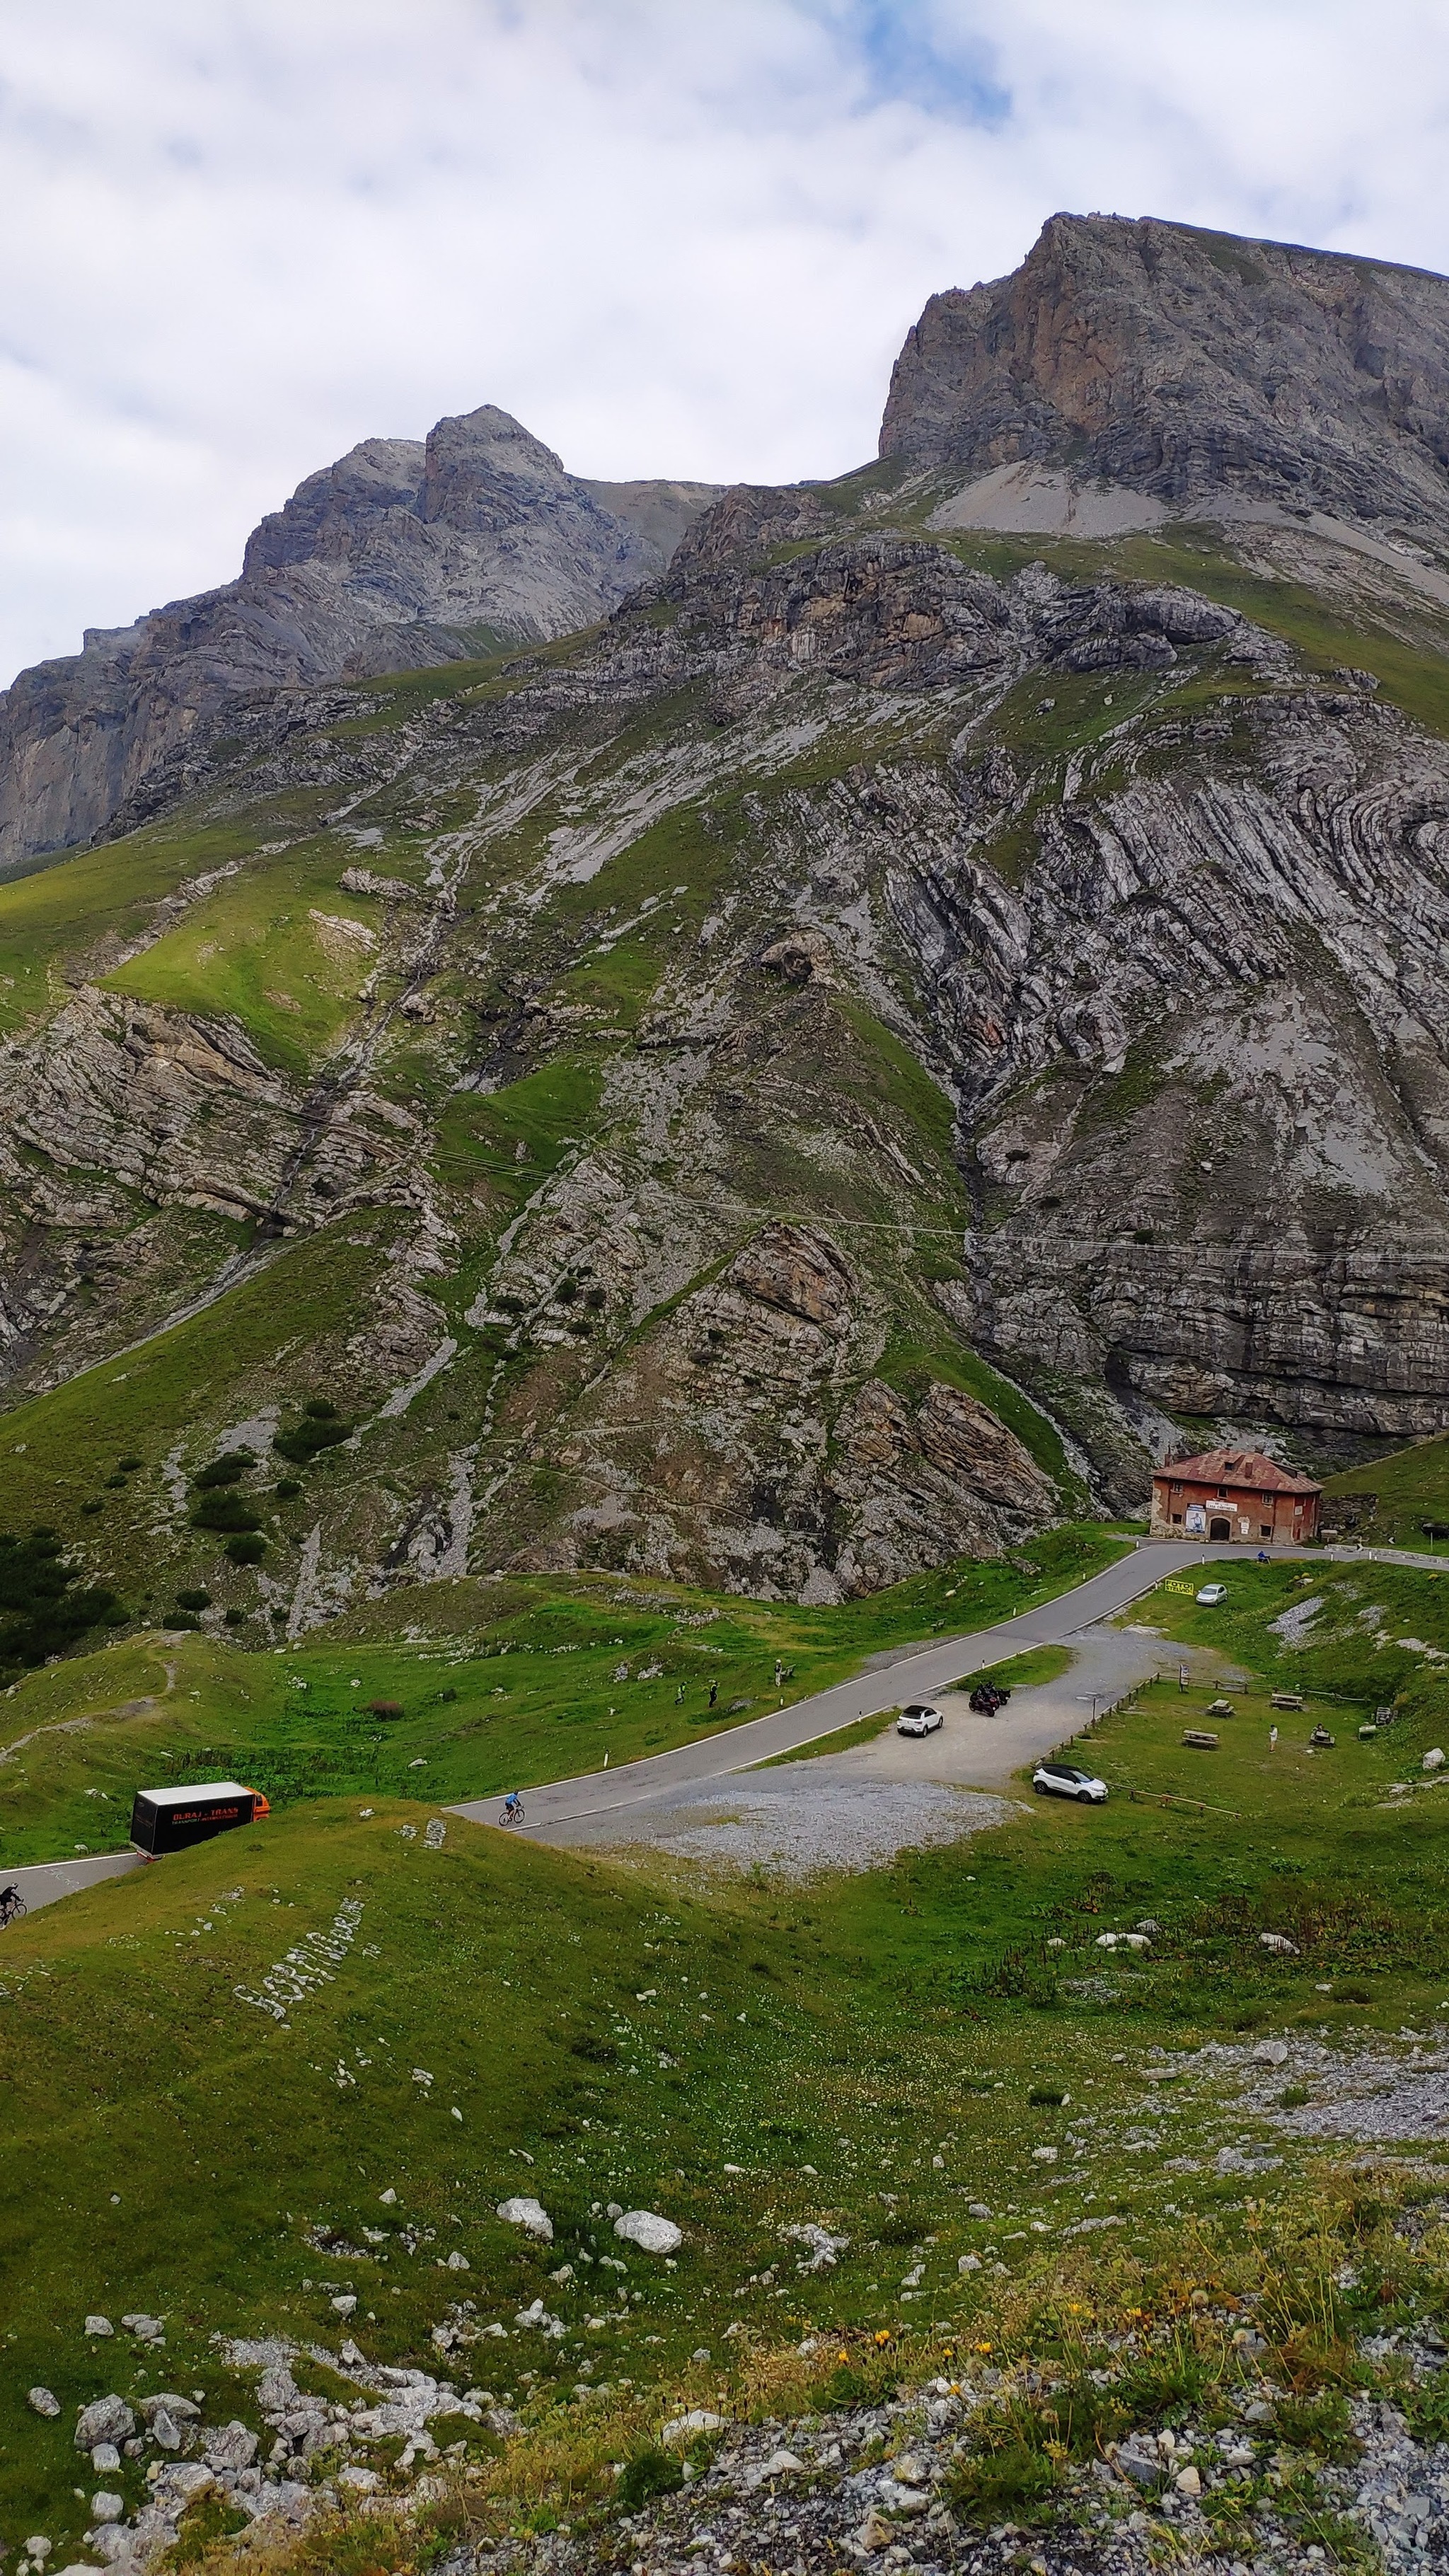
pixel 405 552
pixel 1187 365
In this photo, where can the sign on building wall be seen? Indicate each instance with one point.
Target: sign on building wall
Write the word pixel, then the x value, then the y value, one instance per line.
pixel 1195 1521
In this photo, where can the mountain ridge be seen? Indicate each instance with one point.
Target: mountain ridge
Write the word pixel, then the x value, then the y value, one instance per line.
pixel 841 1062
pixel 405 551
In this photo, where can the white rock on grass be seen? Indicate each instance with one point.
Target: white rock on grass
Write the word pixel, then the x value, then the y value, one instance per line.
pixel 524 2212
pixel 106 2419
pixel 99 2326
pixel 43 2401
pixel 106 2507
pixel 1279 1943
pixel 646 2229
pixel 105 2459
pixel 682 2428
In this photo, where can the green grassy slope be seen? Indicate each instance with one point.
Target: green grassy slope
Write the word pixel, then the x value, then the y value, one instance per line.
pixel 868 2053
pixel 1387 1501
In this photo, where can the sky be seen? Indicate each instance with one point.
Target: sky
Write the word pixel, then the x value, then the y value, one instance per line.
pixel 679 237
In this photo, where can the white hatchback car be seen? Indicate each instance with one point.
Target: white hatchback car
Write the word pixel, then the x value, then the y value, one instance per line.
pixel 1065 1780
pixel 919 1719
pixel 1211 1594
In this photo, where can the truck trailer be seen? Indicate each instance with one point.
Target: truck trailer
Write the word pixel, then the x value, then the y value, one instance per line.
pixel 168 1820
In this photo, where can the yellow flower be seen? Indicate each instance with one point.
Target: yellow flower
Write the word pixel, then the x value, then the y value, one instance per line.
pixel 982 2347
pixel 883 2335
pixel 842 2356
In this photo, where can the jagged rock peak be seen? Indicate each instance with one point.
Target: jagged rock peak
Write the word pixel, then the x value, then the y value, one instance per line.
pixel 1187 364
pixel 405 552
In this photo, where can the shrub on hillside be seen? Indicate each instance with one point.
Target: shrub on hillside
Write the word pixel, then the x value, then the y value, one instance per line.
pixel 41 1610
pixel 315 1431
pixel 649 2473
pixel 228 1469
pixel 247 1549
pixel 223 1510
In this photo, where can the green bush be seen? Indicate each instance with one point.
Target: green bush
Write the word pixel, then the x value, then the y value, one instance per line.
pixel 41 1612
pixel 228 1469
pixel 320 1408
pixel 195 1600
pixel 649 2473
pixel 1318 2424
pixel 128 1466
pixel 1014 2484
pixel 236 1618
pixel 247 1549
pixel 870 2381
pixel 313 1433
pixel 176 1620
pixel 225 1511
pixel 1164 2387
pixel 288 1487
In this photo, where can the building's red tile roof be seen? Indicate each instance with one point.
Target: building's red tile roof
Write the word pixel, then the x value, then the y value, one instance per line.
pixel 1237 1468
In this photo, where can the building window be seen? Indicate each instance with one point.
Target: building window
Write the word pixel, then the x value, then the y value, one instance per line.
pixel 1177 1516
pixel 1266 1531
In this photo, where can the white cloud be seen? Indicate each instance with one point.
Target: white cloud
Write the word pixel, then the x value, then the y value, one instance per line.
pixel 671 239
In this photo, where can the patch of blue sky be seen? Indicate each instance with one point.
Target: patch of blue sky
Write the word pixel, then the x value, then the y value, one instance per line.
pixel 923 54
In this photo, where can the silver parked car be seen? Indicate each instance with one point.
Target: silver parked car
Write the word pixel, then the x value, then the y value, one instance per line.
pixel 1067 1780
pixel 919 1719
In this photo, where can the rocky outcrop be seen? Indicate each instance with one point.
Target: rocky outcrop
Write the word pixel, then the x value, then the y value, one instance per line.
pixel 1187 365
pixel 406 552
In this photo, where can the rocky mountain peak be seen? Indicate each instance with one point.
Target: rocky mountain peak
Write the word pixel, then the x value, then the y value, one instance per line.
pixel 480 463
pixel 1189 366
pixel 406 552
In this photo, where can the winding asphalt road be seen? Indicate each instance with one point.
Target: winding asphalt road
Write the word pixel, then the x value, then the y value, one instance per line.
pixel 917 1674
pixel 560 1804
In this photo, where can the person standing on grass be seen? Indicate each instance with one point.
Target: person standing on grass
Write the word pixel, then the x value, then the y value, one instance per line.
pixel 1272 1739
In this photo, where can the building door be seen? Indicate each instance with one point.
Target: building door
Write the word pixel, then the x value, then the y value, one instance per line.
pixel 1220 1528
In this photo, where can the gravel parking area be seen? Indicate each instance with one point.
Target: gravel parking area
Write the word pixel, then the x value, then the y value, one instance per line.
pixel 812 1816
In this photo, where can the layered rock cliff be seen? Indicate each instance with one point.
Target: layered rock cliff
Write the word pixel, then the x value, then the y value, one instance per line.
pixel 1189 366
pixel 839 1067
pixel 405 552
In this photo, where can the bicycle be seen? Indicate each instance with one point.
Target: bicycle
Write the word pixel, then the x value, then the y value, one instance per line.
pixel 512 1811
pixel 12 1906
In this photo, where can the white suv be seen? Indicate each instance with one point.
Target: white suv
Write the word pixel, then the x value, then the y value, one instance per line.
pixel 1065 1780
pixel 919 1719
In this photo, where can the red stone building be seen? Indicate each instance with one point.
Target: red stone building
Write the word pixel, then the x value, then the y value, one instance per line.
pixel 1233 1494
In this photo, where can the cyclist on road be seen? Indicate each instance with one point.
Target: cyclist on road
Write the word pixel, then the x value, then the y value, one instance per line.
pixel 512 1807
